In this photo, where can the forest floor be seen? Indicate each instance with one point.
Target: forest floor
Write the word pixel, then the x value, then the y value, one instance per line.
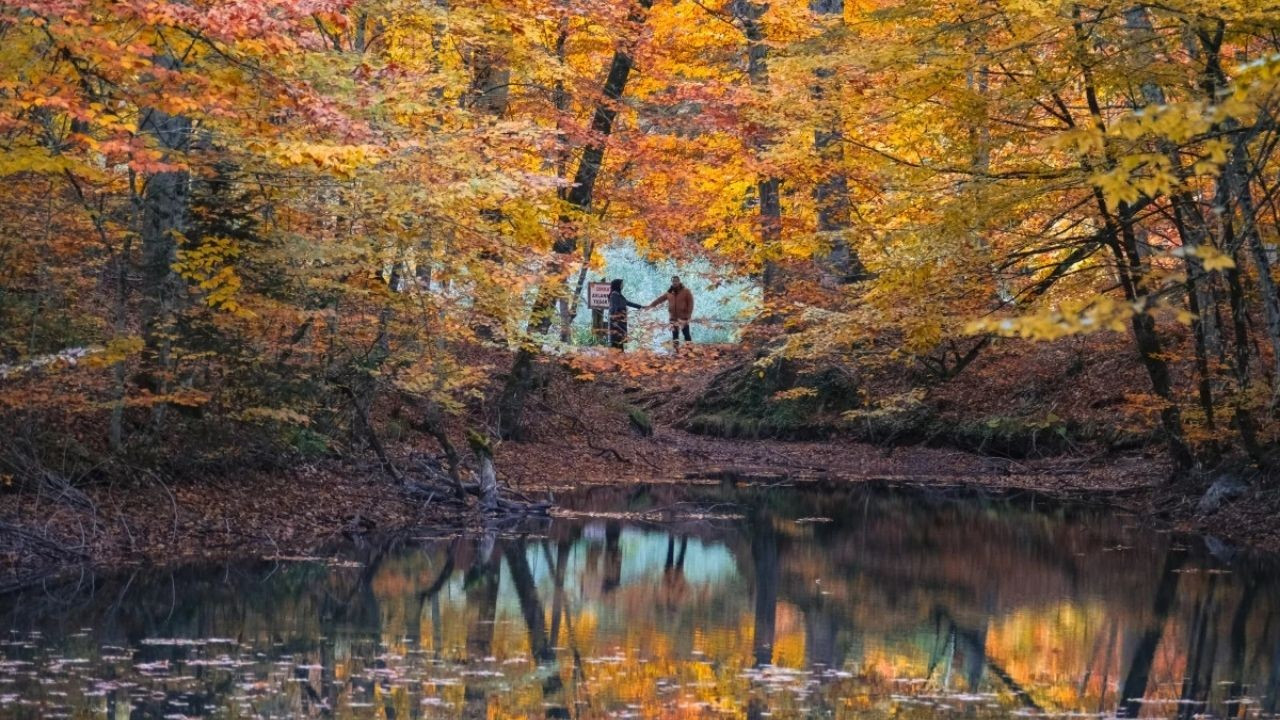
pixel 563 455
pixel 583 433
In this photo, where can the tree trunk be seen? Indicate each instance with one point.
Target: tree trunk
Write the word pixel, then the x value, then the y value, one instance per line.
pixel 1150 350
pixel 768 189
pixel 832 193
pixel 520 380
pixel 515 391
pixel 491 83
pixel 164 206
pixel 120 318
pixel 1238 197
pixel 1130 272
pixel 1240 365
pixel 1237 171
pixel 487 475
pixel 431 422
pixel 1188 220
pixel 584 180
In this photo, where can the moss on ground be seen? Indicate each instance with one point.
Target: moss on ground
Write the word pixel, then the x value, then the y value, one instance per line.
pixel 774 398
pixel 640 421
pixel 785 401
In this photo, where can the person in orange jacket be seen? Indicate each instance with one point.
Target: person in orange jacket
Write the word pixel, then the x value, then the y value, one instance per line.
pixel 679 302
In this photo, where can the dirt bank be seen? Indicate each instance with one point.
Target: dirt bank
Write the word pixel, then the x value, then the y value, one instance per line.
pixel 563 455
pixel 252 515
pixel 615 430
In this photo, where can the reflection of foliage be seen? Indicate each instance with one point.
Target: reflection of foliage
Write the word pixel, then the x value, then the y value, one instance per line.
pixel 912 601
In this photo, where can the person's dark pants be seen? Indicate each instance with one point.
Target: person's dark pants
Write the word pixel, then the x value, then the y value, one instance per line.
pixel 676 327
pixel 617 334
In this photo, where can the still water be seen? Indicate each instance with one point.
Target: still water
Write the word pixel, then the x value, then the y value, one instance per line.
pixel 854 602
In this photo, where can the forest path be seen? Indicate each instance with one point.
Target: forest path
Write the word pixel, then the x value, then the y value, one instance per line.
pixel 581 434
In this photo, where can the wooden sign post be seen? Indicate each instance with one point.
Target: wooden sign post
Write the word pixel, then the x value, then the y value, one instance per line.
pixel 598 301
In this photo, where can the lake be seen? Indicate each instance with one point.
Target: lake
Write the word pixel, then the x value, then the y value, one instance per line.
pixel 679 602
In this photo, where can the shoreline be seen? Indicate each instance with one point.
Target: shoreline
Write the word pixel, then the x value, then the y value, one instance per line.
pixel 260 515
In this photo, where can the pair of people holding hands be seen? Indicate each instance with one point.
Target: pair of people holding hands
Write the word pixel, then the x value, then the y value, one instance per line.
pixel 679 302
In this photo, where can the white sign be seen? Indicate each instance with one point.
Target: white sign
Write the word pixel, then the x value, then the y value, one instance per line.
pixel 598 295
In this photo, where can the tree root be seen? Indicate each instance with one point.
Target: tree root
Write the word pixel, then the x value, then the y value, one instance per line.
pixel 586 434
pixel 24 539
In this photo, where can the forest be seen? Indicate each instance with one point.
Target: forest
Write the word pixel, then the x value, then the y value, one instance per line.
pixel 266 246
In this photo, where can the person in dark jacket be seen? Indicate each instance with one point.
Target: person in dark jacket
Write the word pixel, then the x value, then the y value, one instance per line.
pixel 679 302
pixel 618 305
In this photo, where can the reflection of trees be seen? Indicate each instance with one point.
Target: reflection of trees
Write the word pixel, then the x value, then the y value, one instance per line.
pixel 903 559
pixel 481 584
pixel 1198 678
pixel 1134 688
pixel 1272 700
pixel 674 593
pixel 560 565
pixel 764 560
pixel 612 557
pixel 553 686
pixel 1100 663
pixel 1239 644
pixel 431 594
pixel 972 642
pixel 821 632
pixel 535 619
pixel 882 567
pixel 1002 600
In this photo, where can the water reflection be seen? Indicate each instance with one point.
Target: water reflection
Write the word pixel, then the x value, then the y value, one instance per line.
pixel 858 602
